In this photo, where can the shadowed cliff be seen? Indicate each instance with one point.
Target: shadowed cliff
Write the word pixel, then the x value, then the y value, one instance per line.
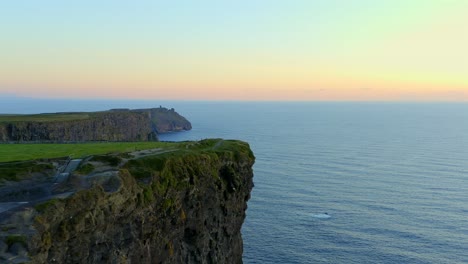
pixel 166 120
pixel 182 204
pixel 112 125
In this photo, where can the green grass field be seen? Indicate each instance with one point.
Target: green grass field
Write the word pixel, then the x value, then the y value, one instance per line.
pixel 20 152
pixel 44 117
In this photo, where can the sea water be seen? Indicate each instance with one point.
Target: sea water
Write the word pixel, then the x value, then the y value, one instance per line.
pixel 340 182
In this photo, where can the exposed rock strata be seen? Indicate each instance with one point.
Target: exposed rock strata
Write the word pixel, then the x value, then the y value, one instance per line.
pixel 106 126
pixel 167 120
pixel 113 125
pixel 179 206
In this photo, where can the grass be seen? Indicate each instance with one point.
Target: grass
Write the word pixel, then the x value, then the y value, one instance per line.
pixel 43 206
pixel 44 117
pixel 191 158
pixel 85 169
pixel 29 157
pixel 21 152
pixel 15 171
pixel 53 117
pixel 57 117
pixel 111 160
pixel 10 240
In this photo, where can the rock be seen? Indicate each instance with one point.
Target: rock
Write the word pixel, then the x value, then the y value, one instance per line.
pixel 182 206
pixel 3 247
pixel 166 120
pixel 99 126
pixel 113 125
pixel 7 258
pixel 18 249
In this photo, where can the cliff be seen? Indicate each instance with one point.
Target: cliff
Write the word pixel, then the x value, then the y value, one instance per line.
pixel 167 120
pixel 182 204
pixel 113 125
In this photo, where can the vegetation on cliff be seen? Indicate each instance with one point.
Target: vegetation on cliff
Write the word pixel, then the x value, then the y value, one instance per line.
pixel 52 117
pixel 20 152
pixel 15 171
pixel 180 203
pixel 112 125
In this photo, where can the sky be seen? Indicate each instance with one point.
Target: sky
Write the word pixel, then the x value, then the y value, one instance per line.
pixel 322 50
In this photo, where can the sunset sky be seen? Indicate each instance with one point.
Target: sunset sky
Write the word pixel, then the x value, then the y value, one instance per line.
pixel 236 50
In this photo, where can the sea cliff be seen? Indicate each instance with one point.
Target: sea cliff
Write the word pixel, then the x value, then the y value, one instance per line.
pixel 112 125
pixel 182 204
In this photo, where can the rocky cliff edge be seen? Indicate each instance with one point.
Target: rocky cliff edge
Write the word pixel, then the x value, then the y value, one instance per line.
pixel 112 125
pixel 183 204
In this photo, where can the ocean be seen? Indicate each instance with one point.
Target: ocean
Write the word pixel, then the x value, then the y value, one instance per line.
pixel 337 182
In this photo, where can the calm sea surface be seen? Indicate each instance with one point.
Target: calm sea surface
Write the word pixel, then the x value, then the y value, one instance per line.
pixel 338 182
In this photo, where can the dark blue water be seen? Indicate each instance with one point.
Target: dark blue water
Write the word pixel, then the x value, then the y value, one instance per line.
pixel 342 182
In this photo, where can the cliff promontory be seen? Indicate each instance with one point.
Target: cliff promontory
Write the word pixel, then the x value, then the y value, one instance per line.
pixel 166 120
pixel 183 203
pixel 112 125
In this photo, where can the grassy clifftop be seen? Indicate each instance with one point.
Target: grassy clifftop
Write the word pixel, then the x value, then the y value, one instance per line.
pixel 22 152
pixel 179 203
pixel 112 125
pixel 5 118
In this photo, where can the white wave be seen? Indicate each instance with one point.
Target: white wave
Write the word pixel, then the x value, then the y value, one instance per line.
pixel 321 216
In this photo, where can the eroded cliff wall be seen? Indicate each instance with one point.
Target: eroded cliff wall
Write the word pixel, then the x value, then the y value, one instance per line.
pixel 113 125
pixel 181 206
pixel 104 126
pixel 167 120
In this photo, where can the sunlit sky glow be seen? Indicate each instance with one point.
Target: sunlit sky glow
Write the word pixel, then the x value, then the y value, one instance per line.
pixel 236 50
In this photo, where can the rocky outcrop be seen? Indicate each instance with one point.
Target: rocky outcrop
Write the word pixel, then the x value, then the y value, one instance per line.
pixel 113 125
pixel 167 120
pixel 183 205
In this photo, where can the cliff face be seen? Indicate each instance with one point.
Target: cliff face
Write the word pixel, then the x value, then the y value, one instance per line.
pixel 179 206
pixel 114 125
pixel 105 126
pixel 167 120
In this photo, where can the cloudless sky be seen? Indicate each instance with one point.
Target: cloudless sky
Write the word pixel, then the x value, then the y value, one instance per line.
pixel 235 50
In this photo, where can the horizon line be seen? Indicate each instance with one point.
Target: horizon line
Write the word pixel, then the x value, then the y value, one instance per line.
pixel 9 96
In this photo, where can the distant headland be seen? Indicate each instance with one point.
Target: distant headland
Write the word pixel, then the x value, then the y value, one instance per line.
pixel 111 125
